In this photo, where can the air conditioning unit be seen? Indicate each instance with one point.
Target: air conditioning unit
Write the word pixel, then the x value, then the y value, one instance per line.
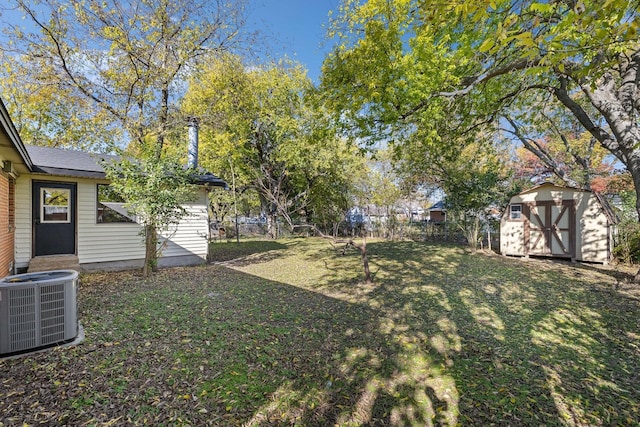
pixel 38 310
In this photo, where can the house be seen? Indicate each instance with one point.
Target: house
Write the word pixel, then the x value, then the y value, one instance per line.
pixel 13 158
pixel 437 213
pixel 561 222
pixel 57 204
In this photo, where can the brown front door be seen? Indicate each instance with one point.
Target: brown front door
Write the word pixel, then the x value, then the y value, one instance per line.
pixel 550 228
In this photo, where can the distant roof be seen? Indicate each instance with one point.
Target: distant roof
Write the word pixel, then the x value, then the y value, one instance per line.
pixel 439 206
pixel 80 164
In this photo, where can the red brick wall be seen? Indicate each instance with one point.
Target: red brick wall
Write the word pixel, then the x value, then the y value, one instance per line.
pixel 7 223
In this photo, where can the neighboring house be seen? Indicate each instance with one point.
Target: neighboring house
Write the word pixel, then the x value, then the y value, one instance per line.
pixel 437 213
pixel 554 221
pixel 56 205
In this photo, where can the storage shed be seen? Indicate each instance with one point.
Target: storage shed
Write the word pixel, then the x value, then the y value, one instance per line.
pixel 554 221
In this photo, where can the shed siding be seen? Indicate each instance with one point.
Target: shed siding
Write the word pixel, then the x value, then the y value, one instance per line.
pixel 592 226
pixel 594 242
pixel 109 242
pixel 512 237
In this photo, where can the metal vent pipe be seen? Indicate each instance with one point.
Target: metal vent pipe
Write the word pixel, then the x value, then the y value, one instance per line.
pixel 192 150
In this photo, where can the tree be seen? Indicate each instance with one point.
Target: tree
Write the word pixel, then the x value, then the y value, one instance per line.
pixel 51 115
pixel 401 62
pixel 473 178
pixel 130 60
pixel 404 65
pixel 260 119
pixel 381 190
pixel 155 192
pixel 572 160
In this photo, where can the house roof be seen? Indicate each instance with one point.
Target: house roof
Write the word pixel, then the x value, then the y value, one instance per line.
pixel 80 164
pixel 439 206
pixel 57 161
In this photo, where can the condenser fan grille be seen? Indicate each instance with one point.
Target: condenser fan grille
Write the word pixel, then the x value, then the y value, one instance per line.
pixel 52 313
pixel 22 318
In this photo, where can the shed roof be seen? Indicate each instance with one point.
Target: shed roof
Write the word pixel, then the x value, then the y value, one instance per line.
pixel 551 184
pixel 602 201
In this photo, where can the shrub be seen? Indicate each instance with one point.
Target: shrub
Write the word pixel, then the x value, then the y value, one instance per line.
pixel 627 242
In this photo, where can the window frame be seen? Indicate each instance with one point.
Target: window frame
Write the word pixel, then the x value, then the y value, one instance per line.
pixel 518 211
pixel 44 206
pixel 123 219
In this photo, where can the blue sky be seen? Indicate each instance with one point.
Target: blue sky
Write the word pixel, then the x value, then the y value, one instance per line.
pixel 295 28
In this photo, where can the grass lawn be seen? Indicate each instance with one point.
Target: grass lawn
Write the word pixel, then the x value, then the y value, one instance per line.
pixel 290 335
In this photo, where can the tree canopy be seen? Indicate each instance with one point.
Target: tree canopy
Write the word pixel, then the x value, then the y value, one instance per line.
pixel 261 119
pixel 407 67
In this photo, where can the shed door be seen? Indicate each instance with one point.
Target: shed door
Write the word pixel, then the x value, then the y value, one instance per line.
pixel 54 218
pixel 550 228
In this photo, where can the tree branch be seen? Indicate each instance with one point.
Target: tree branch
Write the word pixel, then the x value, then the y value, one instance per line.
pixel 599 133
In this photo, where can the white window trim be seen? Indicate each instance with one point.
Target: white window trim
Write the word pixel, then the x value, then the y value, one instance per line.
pixel 43 206
pixel 518 211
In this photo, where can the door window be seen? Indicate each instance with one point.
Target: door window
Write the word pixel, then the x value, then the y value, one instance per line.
pixel 56 205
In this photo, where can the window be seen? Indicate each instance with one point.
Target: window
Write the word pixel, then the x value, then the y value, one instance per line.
pixel 111 208
pixel 516 212
pixel 55 205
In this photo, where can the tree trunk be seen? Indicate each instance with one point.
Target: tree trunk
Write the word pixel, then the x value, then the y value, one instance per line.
pixel 365 261
pixel 633 166
pixel 272 225
pixel 151 254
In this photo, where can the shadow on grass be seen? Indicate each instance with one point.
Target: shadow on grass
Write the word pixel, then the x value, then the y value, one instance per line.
pixel 249 250
pixel 444 337
pixel 525 342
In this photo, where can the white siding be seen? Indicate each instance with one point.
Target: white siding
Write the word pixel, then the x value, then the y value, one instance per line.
pixel 23 221
pixel 593 235
pixel 109 242
pixel 190 236
pixel 511 235
pixel 103 242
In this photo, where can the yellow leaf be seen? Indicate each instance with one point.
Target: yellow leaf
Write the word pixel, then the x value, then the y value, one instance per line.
pixel 486 45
